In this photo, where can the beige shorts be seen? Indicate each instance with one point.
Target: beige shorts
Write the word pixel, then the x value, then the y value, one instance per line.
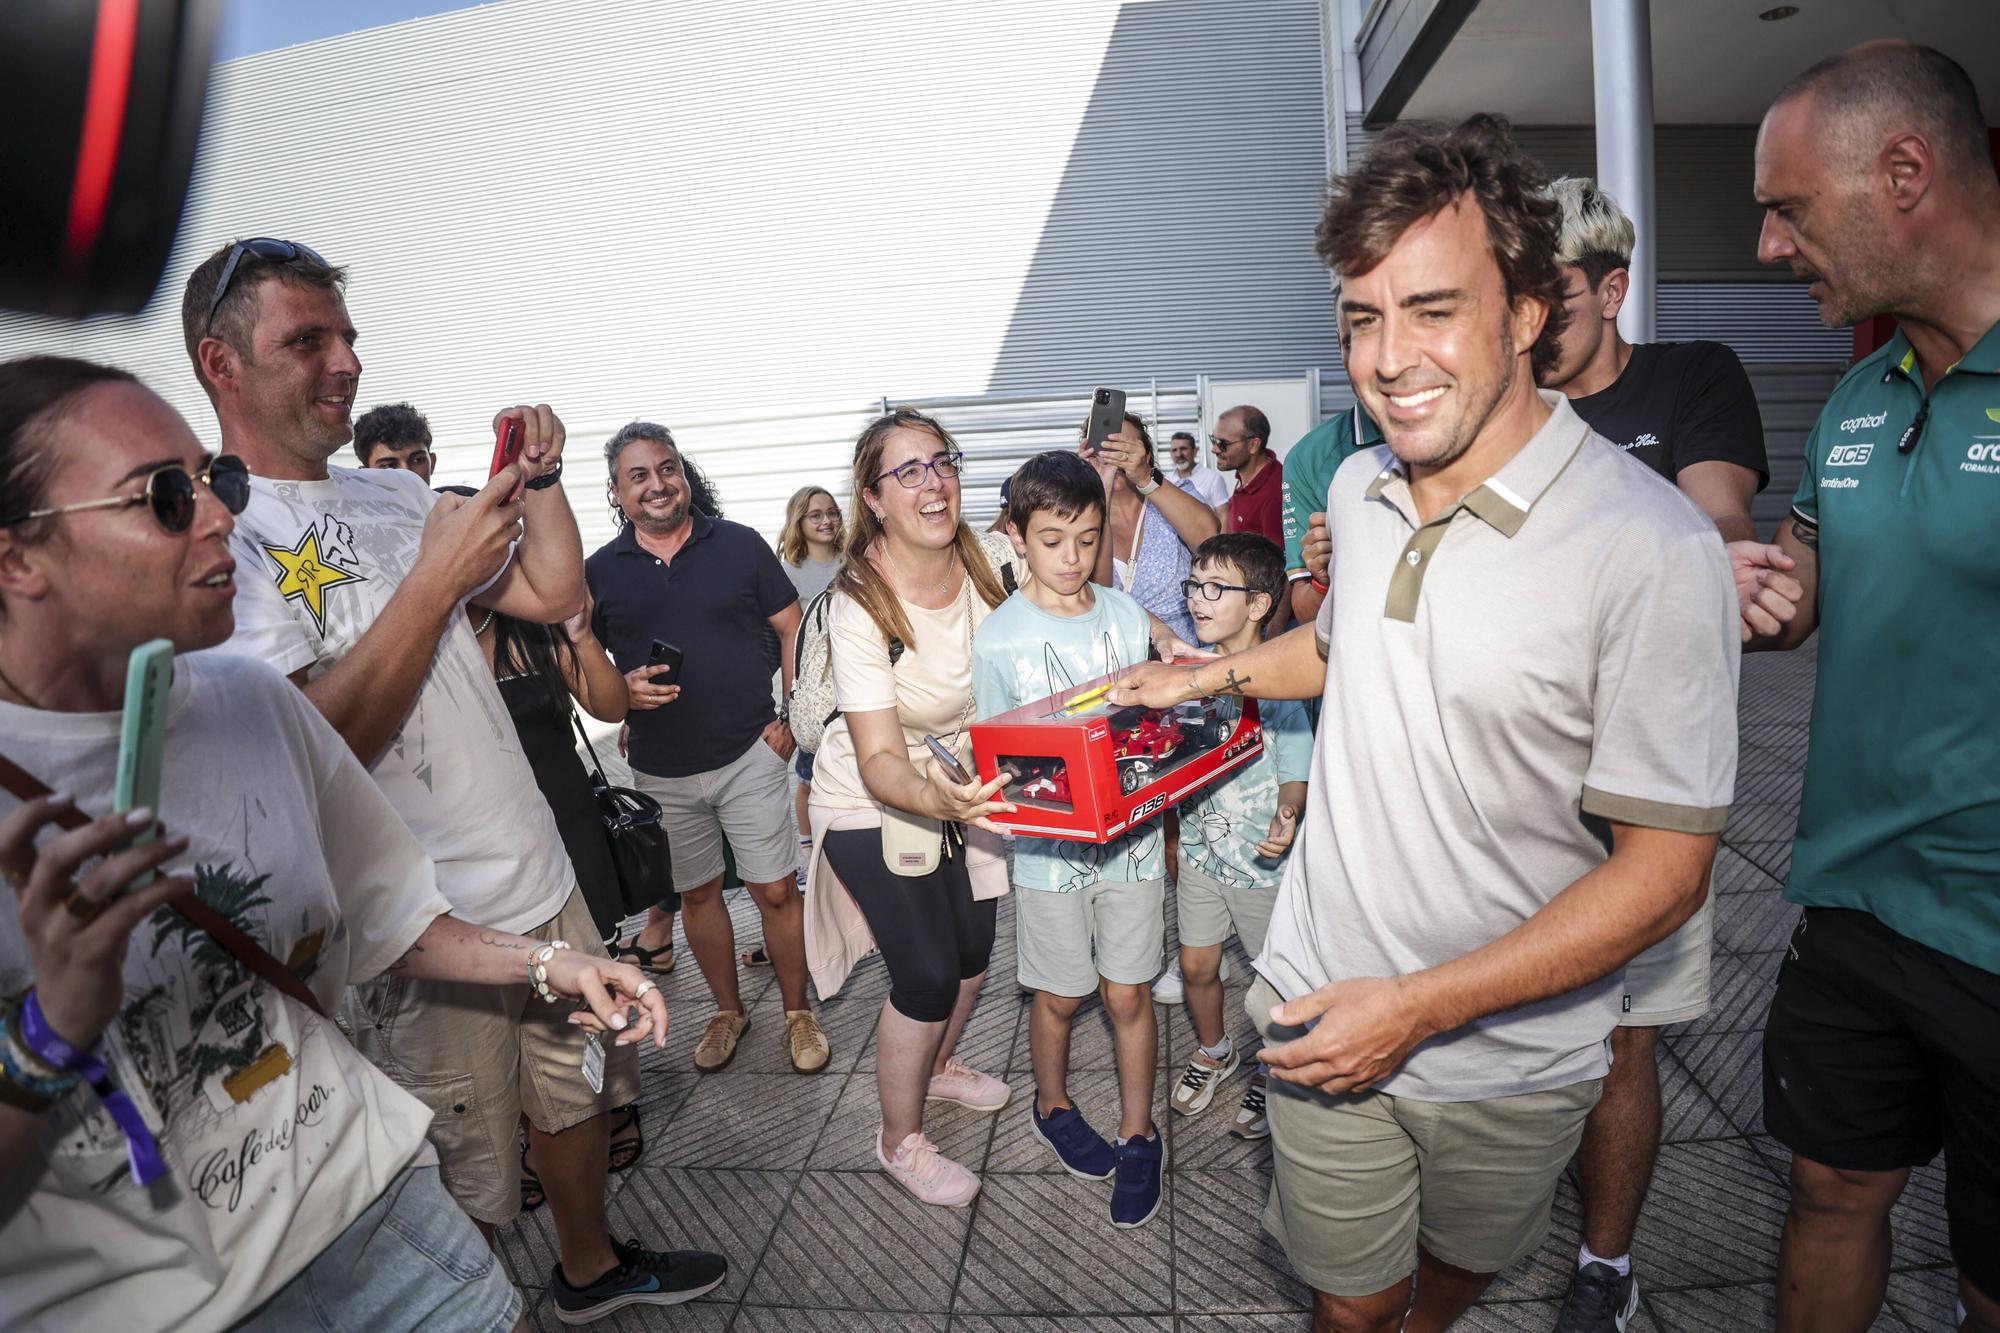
pixel 1359 1182
pixel 1210 911
pixel 1123 924
pixel 748 801
pixel 1669 982
pixel 480 1056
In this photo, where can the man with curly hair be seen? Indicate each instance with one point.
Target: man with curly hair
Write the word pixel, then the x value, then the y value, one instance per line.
pixel 1527 674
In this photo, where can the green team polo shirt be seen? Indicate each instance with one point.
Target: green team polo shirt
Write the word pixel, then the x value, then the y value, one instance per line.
pixel 1309 468
pixel 1901 811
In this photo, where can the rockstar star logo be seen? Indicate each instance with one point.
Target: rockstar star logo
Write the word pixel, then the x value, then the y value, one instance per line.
pixel 305 574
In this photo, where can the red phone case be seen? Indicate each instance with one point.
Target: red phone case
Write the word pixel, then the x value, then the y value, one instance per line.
pixel 506 444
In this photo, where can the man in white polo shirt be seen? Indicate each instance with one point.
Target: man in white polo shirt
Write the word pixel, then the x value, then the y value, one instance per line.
pixel 1527 672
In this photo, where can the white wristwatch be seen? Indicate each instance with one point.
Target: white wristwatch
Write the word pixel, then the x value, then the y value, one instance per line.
pixel 1150 486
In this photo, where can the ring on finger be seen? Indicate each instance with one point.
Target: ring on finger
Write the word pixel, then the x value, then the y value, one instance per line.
pixel 83 908
pixel 643 989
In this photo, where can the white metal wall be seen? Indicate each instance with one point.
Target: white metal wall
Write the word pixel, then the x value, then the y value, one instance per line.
pixel 773 209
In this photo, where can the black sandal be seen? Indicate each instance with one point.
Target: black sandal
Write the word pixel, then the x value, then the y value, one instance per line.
pixel 625 1153
pixel 532 1194
pixel 755 957
pixel 646 960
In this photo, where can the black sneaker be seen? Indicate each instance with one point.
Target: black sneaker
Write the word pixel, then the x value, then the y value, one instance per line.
pixel 642 1277
pixel 1599 1300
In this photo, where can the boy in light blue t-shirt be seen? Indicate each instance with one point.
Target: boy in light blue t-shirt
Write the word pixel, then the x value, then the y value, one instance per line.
pixel 1236 834
pixel 1074 899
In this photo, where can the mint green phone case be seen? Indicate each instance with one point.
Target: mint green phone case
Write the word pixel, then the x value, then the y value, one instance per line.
pixel 143 737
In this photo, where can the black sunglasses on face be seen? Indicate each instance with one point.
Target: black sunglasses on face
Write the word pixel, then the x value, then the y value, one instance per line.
pixel 1210 590
pixel 267 248
pixel 169 493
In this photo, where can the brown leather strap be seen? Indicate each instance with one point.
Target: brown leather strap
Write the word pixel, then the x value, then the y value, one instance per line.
pixel 246 951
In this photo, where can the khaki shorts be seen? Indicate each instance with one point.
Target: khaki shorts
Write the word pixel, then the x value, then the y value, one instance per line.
pixel 1211 911
pixel 1359 1182
pixel 748 801
pixel 1669 982
pixel 480 1056
pixel 1123 923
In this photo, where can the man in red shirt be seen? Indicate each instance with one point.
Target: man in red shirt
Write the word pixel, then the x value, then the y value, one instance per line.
pixel 1242 445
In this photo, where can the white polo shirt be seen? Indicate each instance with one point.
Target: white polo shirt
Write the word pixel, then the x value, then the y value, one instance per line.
pixel 1557 650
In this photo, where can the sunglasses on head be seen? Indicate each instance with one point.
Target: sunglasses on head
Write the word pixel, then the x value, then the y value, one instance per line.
pixel 267 248
pixel 169 493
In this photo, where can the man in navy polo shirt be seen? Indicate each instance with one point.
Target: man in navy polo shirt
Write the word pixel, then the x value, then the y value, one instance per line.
pixel 709 747
pixel 1883 1045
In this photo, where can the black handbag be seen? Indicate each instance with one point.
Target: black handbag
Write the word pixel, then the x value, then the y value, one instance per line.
pixel 638 840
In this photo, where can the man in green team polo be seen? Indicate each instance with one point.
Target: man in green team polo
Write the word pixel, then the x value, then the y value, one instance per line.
pixel 1309 468
pixel 1878 188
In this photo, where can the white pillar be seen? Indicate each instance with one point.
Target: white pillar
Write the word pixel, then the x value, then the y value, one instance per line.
pixel 1621 51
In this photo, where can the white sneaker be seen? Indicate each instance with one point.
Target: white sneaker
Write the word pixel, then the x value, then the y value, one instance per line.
pixel 926 1173
pixel 1171 988
pixel 968 1087
pixel 1250 1122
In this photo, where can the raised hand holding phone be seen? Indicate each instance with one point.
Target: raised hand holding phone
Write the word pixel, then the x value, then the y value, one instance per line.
pixel 507 438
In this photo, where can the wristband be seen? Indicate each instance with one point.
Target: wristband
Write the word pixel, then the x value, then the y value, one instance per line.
pixel 1150 486
pixel 1319 585
pixel 550 478
pixel 46 1045
pixel 25 1080
pixel 538 970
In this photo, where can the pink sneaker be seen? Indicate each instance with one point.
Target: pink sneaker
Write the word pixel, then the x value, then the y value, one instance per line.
pixel 968 1087
pixel 927 1173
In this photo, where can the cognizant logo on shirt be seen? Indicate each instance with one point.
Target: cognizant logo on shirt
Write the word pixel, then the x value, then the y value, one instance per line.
pixel 1853 424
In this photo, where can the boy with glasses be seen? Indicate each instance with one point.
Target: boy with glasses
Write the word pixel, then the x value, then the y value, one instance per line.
pixel 1236 834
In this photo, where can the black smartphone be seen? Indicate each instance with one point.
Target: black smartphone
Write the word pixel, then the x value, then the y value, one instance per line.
pixel 1107 415
pixel 666 655
pixel 948 761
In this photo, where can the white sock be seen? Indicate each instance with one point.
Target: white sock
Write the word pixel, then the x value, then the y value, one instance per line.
pixel 1623 1263
pixel 1221 1050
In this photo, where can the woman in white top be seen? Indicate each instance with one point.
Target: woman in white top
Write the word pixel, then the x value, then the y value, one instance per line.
pixel 228 1158
pixel 916 576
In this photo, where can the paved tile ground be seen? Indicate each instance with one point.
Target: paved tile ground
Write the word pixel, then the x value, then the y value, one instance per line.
pixel 775 1170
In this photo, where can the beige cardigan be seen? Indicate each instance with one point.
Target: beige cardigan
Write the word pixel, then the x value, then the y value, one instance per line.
pixel 837 935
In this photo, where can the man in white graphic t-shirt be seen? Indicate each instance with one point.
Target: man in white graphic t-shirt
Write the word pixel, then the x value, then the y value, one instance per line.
pixel 352 582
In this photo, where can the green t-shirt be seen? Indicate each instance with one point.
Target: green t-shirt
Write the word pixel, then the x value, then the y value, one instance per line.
pixel 1901 811
pixel 1309 468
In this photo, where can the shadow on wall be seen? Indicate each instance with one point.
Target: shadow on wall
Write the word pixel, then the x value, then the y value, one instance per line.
pixel 1180 241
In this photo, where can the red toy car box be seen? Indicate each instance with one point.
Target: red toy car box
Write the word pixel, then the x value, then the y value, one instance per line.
pixel 1091 772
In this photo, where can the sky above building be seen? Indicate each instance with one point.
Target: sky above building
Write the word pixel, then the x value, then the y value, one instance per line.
pixel 251 26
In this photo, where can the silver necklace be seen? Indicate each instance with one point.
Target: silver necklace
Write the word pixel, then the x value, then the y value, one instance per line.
pixel 942 584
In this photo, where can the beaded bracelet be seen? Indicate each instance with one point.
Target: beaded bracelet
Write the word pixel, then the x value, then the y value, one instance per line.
pixel 24 1072
pixel 538 970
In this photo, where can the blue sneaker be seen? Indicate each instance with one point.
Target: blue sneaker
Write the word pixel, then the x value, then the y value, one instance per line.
pixel 1082 1150
pixel 1135 1198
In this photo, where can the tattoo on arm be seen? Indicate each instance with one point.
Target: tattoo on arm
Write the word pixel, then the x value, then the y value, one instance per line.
pixel 1234 684
pixel 409 956
pixel 491 940
pixel 1807 533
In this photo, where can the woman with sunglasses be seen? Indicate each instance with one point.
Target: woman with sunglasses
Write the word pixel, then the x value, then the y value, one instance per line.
pixel 1154 527
pixel 183 1144
pixel 914 585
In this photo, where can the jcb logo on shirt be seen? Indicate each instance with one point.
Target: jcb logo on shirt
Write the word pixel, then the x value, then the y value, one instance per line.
pixel 1849 455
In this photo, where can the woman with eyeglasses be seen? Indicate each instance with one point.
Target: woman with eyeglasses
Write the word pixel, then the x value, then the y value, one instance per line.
pixel 184 1142
pixel 809 550
pixel 1155 526
pixel 891 867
